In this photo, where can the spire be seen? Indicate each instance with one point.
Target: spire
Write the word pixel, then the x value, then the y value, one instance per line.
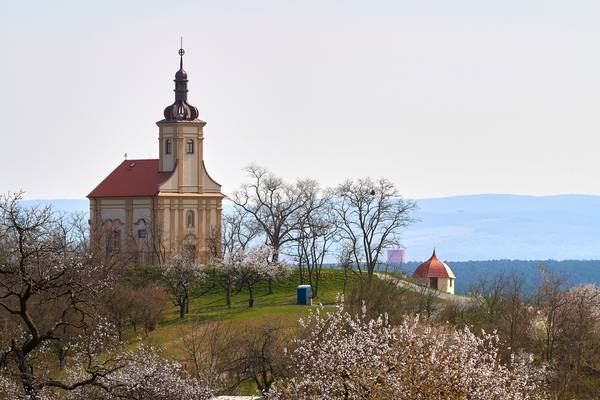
pixel 181 53
pixel 181 110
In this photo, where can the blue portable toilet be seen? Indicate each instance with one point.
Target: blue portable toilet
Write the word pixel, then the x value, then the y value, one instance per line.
pixel 304 293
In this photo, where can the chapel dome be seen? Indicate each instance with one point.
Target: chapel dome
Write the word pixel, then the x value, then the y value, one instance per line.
pixel 433 268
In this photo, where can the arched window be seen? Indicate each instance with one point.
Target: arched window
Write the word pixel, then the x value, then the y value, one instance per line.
pixel 190 219
pixel 190 146
pixel 113 241
pixel 168 146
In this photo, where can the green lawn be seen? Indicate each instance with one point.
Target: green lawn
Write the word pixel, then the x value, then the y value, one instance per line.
pixel 210 306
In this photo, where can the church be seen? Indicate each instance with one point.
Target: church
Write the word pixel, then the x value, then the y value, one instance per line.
pixel 152 207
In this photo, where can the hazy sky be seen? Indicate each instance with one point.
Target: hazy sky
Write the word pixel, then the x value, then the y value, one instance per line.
pixel 442 97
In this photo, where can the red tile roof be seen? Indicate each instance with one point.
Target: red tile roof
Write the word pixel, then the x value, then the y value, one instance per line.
pixel 132 178
pixel 433 268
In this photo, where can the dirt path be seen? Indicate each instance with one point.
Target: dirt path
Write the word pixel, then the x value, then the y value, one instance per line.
pixel 465 300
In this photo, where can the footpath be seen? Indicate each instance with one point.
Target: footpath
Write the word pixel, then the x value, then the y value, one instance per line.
pixel 464 300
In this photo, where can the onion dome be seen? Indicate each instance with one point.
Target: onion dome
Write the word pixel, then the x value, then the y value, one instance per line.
pixel 181 110
pixel 433 268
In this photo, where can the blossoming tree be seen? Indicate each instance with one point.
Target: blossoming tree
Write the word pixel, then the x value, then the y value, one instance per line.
pixel 181 272
pixel 251 266
pixel 351 357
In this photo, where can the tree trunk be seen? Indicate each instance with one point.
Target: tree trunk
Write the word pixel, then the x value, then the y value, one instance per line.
pixel 274 260
pixel 301 270
pixel 62 355
pixel 186 297
pixel 370 269
pixel 228 295
pixel 26 375
pixel 250 296
pixel 182 306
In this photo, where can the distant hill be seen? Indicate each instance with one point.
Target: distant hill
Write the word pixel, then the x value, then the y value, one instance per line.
pixel 62 205
pixel 486 227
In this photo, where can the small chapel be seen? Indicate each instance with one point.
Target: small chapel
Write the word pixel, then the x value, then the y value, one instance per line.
pixel 153 207
pixel 435 274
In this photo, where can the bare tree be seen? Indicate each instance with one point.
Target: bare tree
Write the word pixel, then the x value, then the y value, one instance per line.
pixel 515 311
pixel 345 259
pixel 258 355
pixel 489 295
pixel 275 205
pixel 316 234
pixel 370 215
pixel 426 301
pixel 551 301
pixel 239 230
pixel 147 306
pixel 228 358
pixel 155 245
pixel 206 345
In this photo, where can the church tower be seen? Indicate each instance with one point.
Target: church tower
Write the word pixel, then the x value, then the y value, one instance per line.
pixel 189 209
pixel 181 135
pixel 152 208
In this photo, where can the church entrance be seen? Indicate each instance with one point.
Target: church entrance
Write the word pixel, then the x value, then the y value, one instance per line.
pixel 433 283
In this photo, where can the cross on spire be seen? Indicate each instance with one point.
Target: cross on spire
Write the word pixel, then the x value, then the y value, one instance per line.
pixel 181 52
pixel 181 109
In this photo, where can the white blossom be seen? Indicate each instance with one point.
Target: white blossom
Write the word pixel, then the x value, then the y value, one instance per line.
pixel 145 375
pixel 351 357
pixel 250 266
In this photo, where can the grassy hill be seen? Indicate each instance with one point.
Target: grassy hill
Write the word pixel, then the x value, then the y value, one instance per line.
pixel 208 306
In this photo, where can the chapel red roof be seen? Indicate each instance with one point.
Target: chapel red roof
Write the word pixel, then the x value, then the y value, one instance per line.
pixel 132 178
pixel 433 268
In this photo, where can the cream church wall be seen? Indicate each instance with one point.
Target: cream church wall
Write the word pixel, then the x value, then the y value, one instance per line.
pixel 167 161
pixel 171 184
pixel 112 213
pixel 446 285
pixel 190 163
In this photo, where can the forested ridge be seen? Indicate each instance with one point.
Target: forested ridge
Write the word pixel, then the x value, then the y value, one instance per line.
pixel 573 272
